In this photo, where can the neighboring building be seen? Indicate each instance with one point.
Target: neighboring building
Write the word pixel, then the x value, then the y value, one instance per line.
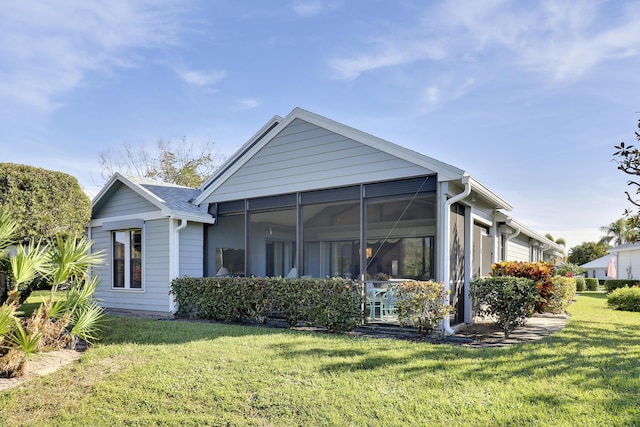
pixel 627 261
pixel 298 199
pixel 597 268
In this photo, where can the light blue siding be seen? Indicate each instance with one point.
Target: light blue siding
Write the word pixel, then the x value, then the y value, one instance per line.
pixel 304 157
pixel 191 250
pixel 124 201
pixel 156 261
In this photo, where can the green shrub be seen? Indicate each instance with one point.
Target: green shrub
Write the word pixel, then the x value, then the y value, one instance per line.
pixel 421 304
pixel 592 284
pixel 562 293
pixel 333 303
pixel 540 272
pixel 581 284
pixel 627 299
pixel 612 285
pixel 511 300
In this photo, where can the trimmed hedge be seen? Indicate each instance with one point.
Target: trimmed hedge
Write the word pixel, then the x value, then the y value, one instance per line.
pixel 612 285
pixel 540 272
pixel 563 291
pixel 421 304
pixel 581 284
pixel 592 284
pixel 333 303
pixel 511 300
pixel 627 299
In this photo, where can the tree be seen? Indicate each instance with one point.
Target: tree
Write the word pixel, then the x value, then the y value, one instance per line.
pixel 181 163
pixel 559 240
pixel 43 203
pixel 628 159
pixel 586 252
pixel 619 231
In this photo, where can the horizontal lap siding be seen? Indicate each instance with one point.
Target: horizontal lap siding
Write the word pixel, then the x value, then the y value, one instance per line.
pixel 155 296
pixel 124 201
pixel 518 250
pixel 306 157
pixel 191 250
pixel 157 279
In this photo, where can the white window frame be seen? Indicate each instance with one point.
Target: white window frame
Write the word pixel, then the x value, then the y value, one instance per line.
pixel 127 260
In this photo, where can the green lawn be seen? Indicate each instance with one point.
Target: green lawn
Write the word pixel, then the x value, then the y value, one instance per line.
pixel 148 372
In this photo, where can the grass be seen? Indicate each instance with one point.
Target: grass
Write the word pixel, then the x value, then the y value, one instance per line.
pixel 170 373
pixel 35 299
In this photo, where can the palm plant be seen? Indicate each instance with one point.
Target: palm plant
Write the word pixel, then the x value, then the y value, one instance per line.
pixel 71 258
pixel 618 231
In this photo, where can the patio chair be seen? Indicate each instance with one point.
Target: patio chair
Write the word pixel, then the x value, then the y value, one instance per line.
pixel 389 303
pixel 375 300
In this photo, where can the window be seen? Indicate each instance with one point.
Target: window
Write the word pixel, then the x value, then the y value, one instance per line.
pixel 127 259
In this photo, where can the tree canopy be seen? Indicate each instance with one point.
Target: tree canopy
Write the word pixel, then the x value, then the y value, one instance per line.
pixel 181 163
pixel 628 159
pixel 586 252
pixel 43 203
pixel 619 232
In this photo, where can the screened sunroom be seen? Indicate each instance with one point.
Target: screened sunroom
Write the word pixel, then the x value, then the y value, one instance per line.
pixel 319 233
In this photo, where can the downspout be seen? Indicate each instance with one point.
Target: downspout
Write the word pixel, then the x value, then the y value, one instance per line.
pixel 176 261
pixel 509 222
pixel 446 323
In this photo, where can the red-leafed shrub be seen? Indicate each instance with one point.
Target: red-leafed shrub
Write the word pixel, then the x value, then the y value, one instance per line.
pixel 540 272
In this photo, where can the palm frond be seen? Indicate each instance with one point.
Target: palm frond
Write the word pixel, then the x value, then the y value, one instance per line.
pixel 28 262
pixel 71 258
pixel 87 322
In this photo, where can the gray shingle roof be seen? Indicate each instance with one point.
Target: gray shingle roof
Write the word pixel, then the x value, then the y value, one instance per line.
pixel 174 197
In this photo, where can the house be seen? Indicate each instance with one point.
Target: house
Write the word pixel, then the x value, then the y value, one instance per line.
pixel 307 196
pixel 627 261
pixel 597 268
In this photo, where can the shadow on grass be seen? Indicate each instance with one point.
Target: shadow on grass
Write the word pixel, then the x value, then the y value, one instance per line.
pixel 130 330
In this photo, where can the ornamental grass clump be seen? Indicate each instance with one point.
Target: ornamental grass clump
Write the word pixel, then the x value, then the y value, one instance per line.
pixel 509 300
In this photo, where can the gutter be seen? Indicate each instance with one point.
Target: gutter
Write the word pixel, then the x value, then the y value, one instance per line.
pixel 510 223
pixel 446 323
pixel 176 261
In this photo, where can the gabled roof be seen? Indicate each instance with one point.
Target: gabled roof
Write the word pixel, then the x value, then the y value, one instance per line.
pixel 601 262
pixel 271 129
pixel 625 247
pixel 172 200
pixel 550 245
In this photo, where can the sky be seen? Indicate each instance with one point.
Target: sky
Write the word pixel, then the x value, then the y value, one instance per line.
pixel 529 97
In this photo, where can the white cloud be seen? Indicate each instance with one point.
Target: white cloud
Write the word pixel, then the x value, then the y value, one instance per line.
pixel 564 40
pixel 392 54
pixel 47 48
pixel 308 8
pixel 434 96
pixel 201 78
pixel 249 103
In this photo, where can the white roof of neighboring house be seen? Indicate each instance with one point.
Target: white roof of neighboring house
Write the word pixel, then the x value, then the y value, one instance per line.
pixel 625 247
pixel 601 262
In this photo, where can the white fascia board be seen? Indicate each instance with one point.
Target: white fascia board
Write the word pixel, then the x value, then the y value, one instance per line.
pixel 141 191
pixel 152 216
pixel 444 171
pixel 484 192
pixel 146 216
pixel 625 247
pixel 537 236
pixel 239 158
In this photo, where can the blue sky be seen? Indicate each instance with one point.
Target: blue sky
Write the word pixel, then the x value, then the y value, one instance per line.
pixel 528 97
